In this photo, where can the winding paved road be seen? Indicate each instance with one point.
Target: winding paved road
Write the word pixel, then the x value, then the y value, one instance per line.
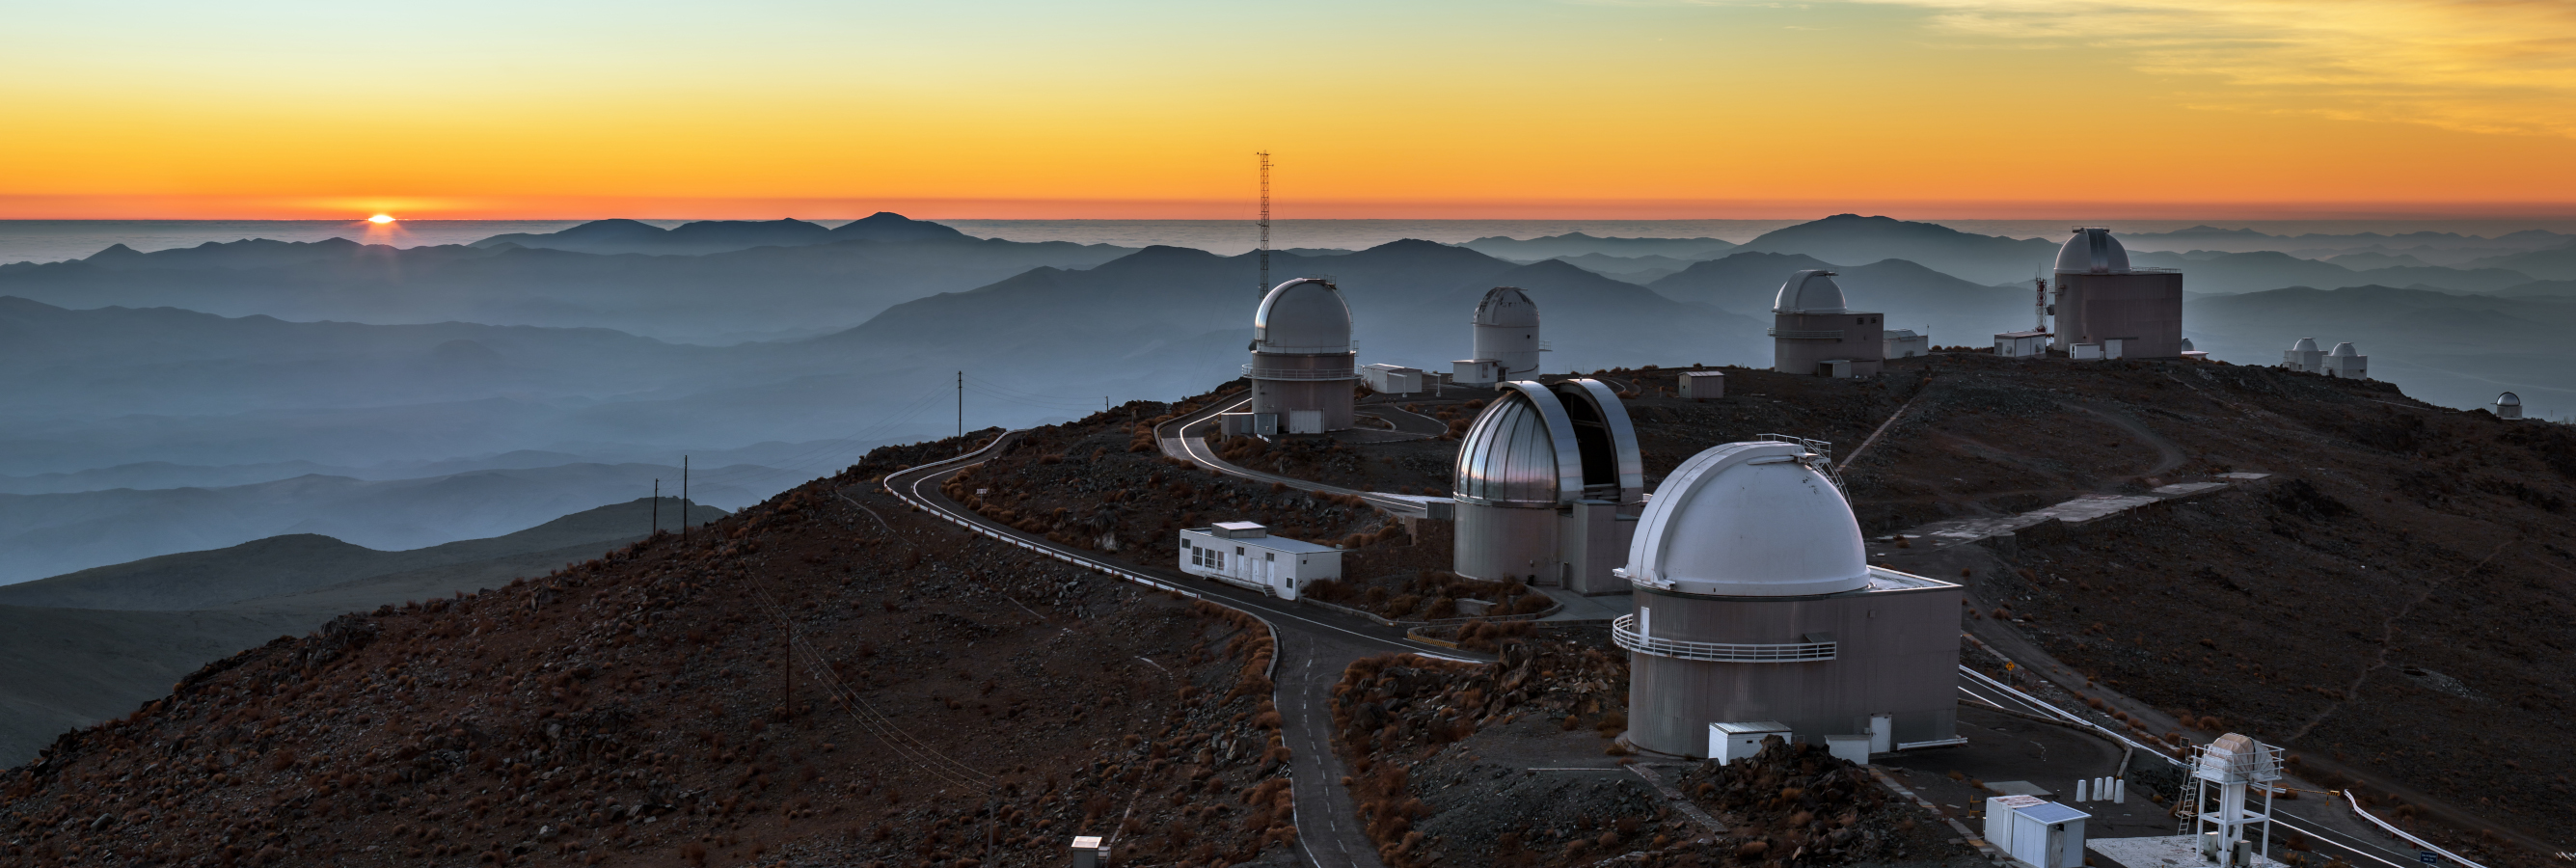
pixel 1312 648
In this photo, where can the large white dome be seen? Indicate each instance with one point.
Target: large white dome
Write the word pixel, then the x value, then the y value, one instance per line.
pixel 2305 345
pixel 1809 291
pixel 1507 307
pixel 1306 315
pixel 2092 250
pixel 1748 520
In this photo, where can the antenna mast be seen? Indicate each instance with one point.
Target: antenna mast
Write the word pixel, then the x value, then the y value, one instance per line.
pixel 1265 223
pixel 2039 308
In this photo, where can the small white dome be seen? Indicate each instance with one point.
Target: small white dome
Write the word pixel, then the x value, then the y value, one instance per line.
pixel 2092 250
pixel 1809 291
pixel 1507 307
pixel 1306 315
pixel 2508 399
pixel 1748 520
pixel 2344 349
pixel 2305 345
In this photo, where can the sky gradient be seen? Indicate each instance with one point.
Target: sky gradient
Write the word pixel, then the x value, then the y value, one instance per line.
pixel 1502 109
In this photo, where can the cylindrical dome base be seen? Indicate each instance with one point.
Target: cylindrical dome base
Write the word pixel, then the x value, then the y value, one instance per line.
pixel 1502 543
pixel 1294 385
pixel 1895 652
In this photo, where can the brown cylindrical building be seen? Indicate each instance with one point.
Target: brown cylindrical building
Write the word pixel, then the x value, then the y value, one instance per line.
pixel 1813 332
pixel 2101 299
pixel 1756 604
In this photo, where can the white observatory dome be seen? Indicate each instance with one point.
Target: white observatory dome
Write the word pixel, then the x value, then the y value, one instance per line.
pixel 2508 399
pixel 1507 307
pixel 1809 291
pixel 1748 520
pixel 2344 349
pixel 1306 315
pixel 2092 250
pixel 2186 345
pixel 2305 345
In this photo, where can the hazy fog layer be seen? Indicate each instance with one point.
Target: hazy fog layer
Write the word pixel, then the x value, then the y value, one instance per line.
pixel 201 397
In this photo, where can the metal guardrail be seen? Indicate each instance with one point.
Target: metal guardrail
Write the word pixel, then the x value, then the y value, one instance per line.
pixel 1806 335
pixel 1253 373
pixel 1076 560
pixel 1623 630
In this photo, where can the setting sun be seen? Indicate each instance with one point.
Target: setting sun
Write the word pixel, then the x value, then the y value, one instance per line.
pixel 381 219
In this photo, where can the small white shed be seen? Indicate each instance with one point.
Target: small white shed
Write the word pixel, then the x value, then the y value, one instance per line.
pixel 1392 379
pixel 1703 385
pixel 2021 345
pixel 1728 742
pixel 1244 554
pixel 1901 343
pixel 2036 831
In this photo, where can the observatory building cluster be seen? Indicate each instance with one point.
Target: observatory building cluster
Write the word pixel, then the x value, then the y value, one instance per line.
pixel 1754 610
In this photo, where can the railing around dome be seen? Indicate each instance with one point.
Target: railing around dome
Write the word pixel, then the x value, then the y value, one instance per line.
pixel 1812 335
pixel 1623 630
pixel 1251 372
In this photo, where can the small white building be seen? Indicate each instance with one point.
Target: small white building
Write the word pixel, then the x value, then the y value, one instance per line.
pixel 1703 385
pixel 2021 345
pixel 1389 379
pixel 2508 406
pixel 1244 554
pixel 2304 357
pixel 2347 363
pixel 1900 343
pixel 1728 742
pixel 2036 831
pixel 1476 372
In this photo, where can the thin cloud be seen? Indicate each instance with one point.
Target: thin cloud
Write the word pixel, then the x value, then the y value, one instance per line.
pixel 2489 66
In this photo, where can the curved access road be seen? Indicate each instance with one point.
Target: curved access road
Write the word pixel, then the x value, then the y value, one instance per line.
pixel 1312 648
pixel 1185 438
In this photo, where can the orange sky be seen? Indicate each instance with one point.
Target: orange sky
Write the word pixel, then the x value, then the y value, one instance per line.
pixel 1962 108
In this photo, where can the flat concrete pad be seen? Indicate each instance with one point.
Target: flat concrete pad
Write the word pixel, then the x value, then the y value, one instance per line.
pixel 2179 851
pixel 1582 608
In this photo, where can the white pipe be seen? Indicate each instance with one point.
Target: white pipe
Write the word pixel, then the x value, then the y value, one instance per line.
pixel 2079 789
pixel 2119 791
pixel 2428 845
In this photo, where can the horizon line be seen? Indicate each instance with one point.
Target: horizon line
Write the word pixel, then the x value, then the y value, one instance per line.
pixel 552 208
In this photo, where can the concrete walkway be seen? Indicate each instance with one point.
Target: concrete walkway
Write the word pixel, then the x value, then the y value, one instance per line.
pixel 2090 507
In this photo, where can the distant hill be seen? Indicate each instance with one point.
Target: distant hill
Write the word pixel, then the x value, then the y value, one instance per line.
pixel 2558 263
pixel 2455 350
pixel 1854 239
pixel 51 534
pixel 2226 273
pixel 1574 244
pixel 300 563
pixel 74 666
pixel 2539 288
pixel 1912 296
pixel 2248 240
pixel 728 296
pixel 716 236
pixel 1633 269
pixel 1167 315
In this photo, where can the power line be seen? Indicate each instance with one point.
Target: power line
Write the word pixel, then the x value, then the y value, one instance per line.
pixel 1264 288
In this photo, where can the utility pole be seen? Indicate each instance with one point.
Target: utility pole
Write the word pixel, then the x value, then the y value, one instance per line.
pixel 1264 288
pixel 684 499
pixel 657 510
pixel 961 406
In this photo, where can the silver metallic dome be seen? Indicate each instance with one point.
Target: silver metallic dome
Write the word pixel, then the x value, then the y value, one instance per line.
pixel 2092 250
pixel 1810 291
pixel 1507 307
pixel 1748 519
pixel 1541 446
pixel 2508 399
pixel 2186 345
pixel 1306 315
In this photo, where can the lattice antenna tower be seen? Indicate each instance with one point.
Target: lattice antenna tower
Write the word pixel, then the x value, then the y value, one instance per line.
pixel 1264 288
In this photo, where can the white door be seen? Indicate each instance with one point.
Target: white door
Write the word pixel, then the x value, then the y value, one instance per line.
pixel 1305 421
